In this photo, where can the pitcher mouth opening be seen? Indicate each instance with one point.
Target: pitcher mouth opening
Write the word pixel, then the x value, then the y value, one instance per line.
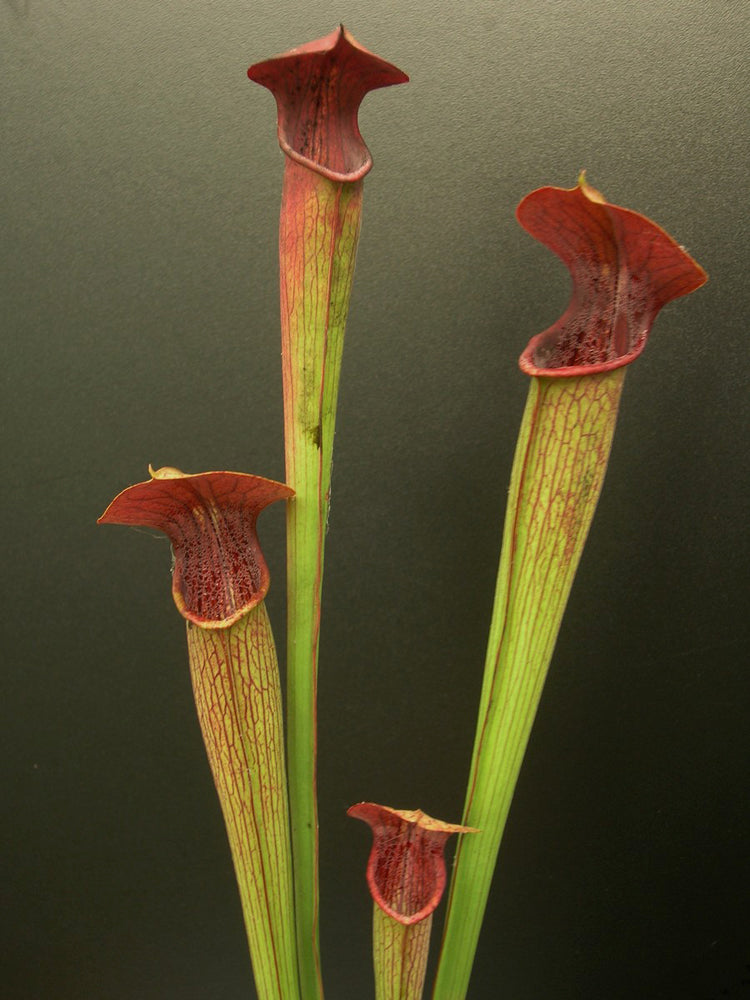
pixel 318 89
pixel 624 269
pixel 219 571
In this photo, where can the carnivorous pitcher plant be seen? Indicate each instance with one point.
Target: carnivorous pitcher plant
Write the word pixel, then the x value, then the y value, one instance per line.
pixel 624 269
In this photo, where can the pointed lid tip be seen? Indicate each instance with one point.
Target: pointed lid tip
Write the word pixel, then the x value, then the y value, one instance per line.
pixel 318 88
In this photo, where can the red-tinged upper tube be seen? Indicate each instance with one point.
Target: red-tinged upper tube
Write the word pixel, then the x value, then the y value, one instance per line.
pixel 624 269
pixel 219 569
pixel 318 89
pixel 406 868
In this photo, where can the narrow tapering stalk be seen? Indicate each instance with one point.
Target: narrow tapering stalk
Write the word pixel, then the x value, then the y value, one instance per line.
pixel 235 677
pixel 624 269
pixel 320 221
pixel 400 956
pixel 318 89
pixel 559 467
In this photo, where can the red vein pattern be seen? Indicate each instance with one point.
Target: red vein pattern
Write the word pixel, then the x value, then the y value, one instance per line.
pixel 400 955
pixel 560 463
pixel 235 679
pixel 406 867
pixel 210 519
pixel 624 268
pixel 318 88
pixel 560 467
pixel 318 235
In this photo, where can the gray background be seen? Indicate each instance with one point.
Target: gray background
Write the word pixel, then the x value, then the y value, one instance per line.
pixel 141 181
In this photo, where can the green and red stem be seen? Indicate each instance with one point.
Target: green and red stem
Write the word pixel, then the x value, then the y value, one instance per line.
pixel 235 680
pixel 320 221
pixel 559 467
pixel 400 953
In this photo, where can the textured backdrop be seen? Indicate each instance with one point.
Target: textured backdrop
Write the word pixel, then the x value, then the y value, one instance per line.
pixel 140 191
